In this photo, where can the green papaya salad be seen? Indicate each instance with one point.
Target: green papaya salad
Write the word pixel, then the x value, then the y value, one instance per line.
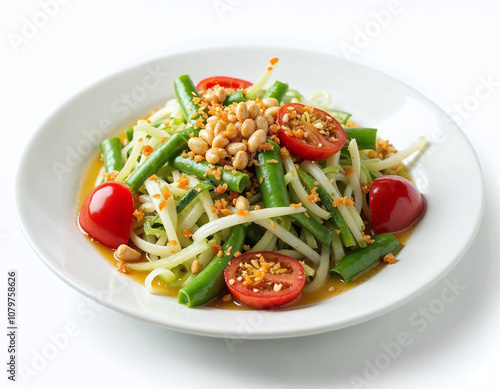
pixel 250 192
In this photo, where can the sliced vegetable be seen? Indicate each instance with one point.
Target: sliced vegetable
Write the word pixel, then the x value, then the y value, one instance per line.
pixel 309 133
pixel 235 182
pixel 210 282
pixel 161 155
pixel 277 91
pixel 269 173
pixel 112 154
pixel 185 91
pixel 223 81
pixel 192 194
pixel 264 279
pixel 366 138
pixel 107 213
pixel 363 259
pixel 395 204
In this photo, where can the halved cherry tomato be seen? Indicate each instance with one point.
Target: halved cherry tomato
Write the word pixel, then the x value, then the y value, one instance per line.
pixel 264 279
pixel 317 138
pixel 107 213
pixel 395 204
pixel 225 82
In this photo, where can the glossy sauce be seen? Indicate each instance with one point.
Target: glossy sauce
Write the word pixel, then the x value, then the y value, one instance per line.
pixel 332 287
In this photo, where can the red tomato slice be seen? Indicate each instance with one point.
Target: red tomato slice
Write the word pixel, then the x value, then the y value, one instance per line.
pixel 303 139
pixel 225 82
pixel 107 213
pixel 276 287
pixel 395 204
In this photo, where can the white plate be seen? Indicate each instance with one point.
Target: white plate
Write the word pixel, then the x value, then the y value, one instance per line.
pixel 448 174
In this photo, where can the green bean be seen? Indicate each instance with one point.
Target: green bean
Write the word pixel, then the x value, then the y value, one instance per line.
pixel 210 281
pixel 337 219
pixel 341 116
pixel 364 258
pixel 161 155
pixel 254 233
pixel 292 94
pixel 185 92
pixel 273 189
pixel 235 97
pixel 277 91
pixel 112 154
pixel 191 195
pixel 366 138
pixel 236 181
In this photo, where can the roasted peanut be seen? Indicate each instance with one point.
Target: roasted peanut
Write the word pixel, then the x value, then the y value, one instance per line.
pixel 127 254
pixel 231 132
pixel 257 138
pixel 253 110
pixel 220 127
pixel 248 128
pixel 233 148
pixel 273 111
pixel 269 118
pixel 261 123
pixel 242 112
pixel 240 160
pixel 242 203
pixel 198 145
pixel 211 157
pixel 220 152
pixel 207 136
pixel 220 141
pixel 220 93
pixel 270 102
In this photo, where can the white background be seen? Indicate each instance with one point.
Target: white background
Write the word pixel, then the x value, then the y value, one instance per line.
pixel 445 49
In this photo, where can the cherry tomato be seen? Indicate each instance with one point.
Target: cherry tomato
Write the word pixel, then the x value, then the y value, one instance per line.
pixel 107 213
pixel 225 82
pixel 395 204
pixel 277 280
pixel 303 138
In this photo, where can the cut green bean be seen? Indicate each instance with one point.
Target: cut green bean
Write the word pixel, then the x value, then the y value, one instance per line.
pixel 112 154
pixel 341 116
pixel 366 138
pixel 269 173
pixel 235 97
pixel 210 281
pixel 254 233
pixel 364 258
pixel 235 180
pixel 337 219
pixel 159 157
pixel 191 195
pixel 277 90
pixel 185 92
